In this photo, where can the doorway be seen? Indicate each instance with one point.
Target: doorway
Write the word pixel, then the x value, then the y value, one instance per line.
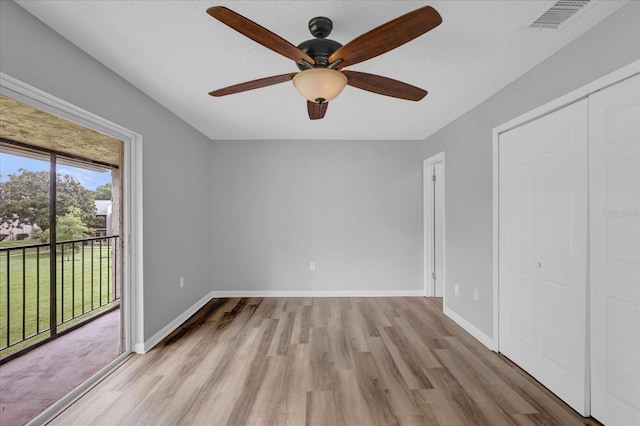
pixel 434 226
pixel 126 181
pixel 60 275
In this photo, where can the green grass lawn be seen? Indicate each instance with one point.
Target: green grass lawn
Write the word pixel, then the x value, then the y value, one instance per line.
pixel 83 283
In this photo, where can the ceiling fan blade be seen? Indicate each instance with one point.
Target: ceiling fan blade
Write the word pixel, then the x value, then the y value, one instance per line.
pixel 316 110
pixel 387 36
pixel 258 34
pixel 253 84
pixel 384 86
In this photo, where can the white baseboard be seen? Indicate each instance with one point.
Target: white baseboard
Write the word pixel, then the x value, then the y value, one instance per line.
pixel 169 328
pixel 137 348
pixel 321 293
pixel 471 329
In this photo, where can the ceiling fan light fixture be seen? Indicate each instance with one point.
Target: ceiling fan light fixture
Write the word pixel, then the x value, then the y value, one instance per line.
pixel 320 84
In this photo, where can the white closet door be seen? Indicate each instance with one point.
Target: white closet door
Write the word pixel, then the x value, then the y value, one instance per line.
pixel 614 163
pixel 543 250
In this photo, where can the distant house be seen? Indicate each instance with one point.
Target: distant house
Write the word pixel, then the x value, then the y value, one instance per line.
pixel 17 231
pixel 103 211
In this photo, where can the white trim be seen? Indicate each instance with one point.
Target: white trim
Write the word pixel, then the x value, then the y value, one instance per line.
pixel 427 220
pixel 169 328
pixel 596 85
pixel 64 402
pixel 320 293
pixel 132 175
pixel 471 329
pixel 571 97
pixel 496 239
pixel 23 92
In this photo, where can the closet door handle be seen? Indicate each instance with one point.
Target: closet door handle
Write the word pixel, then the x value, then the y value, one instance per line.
pixel 538 265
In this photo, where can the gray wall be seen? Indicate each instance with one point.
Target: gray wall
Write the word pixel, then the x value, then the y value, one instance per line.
pixel 176 173
pixel 467 143
pixel 353 207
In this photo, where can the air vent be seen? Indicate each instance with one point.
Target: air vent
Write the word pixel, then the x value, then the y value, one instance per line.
pixel 558 14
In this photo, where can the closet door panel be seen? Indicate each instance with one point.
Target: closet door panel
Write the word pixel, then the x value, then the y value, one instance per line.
pixel 614 172
pixel 543 250
pixel 561 250
pixel 517 250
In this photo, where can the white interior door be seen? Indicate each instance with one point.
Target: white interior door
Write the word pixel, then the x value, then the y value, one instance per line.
pixel 543 250
pixel 434 226
pixel 614 157
pixel 438 227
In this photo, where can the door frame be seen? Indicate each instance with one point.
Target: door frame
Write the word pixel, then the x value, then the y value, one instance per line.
pixel 428 235
pixel 131 174
pixel 603 82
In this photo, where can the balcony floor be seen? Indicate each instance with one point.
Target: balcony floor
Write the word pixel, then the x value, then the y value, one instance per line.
pixel 32 382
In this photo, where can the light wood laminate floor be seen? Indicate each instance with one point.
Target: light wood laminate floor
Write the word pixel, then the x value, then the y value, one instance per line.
pixel 319 361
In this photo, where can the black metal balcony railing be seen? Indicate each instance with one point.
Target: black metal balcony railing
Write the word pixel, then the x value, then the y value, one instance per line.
pixel 85 283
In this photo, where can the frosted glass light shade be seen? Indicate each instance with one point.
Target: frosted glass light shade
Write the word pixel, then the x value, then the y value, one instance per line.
pixel 320 84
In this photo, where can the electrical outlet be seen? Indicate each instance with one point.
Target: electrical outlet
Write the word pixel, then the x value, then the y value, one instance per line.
pixel 476 294
pixel 456 290
pixel 312 266
pixel 181 282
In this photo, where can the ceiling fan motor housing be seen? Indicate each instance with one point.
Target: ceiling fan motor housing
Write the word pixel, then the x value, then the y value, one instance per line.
pixel 320 47
pixel 320 50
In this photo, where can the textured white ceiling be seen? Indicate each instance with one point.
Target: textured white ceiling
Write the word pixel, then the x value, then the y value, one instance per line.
pixel 176 53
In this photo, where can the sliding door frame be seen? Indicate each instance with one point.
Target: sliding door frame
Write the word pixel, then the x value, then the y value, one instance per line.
pixel 132 232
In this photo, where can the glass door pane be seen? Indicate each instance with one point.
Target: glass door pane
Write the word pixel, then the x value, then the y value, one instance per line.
pixel 24 249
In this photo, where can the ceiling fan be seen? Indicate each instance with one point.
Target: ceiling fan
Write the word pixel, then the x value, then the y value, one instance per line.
pixel 321 61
